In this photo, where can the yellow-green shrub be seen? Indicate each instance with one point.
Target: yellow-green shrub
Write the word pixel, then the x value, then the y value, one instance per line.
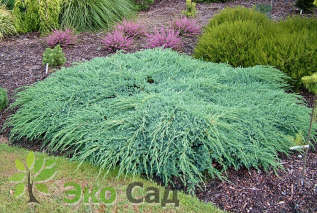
pixel 299 23
pixel 241 40
pixel 36 15
pixel 6 24
pixel 237 14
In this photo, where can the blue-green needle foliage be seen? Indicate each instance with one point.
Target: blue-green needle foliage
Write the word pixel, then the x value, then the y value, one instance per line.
pixel 163 114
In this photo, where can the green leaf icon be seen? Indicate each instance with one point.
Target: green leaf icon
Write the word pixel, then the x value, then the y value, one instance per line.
pixel 17 177
pixel 38 163
pixel 41 187
pixel 46 174
pixel 19 189
pixel 30 159
pixel 19 165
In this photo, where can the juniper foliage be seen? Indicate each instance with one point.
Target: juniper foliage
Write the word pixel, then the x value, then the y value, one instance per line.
pixel 163 114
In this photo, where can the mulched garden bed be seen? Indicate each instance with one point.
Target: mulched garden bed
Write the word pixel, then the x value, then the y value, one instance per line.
pixel 257 191
pixel 245 191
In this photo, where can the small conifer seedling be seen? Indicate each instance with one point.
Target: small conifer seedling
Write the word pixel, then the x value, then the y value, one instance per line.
pixel 54 57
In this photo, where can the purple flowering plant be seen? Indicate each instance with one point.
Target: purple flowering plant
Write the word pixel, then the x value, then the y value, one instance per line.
pixel 116 40
pixel 62 38
pixel 186 26
pixel 131 29
pixel 166 38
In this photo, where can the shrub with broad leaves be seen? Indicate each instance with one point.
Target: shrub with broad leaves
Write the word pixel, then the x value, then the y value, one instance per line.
pixel 131 29
pixel 63 38
pixel 186 26
pixel 167 38
pixel 116 40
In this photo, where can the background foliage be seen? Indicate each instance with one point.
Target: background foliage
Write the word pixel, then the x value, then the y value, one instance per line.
pixel 94 15
pixel 244 37
pixel 144 4
pixel 37 15
pixel 7 27
pixel 162 114
pixel 8 3
pixel 26 16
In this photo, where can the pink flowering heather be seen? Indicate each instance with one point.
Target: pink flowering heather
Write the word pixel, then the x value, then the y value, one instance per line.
pixel 116 40
pixel 63 38
pixel 166 38
pixel 131 29
pixel 186 26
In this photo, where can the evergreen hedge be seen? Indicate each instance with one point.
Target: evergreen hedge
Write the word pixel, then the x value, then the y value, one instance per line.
pixel 163 114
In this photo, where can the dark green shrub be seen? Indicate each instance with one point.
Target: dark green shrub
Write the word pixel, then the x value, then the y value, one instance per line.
pixel 143 4
pixel 8 3
pixel 162 114
pixel 305 5
pixel 54 57
pixel 244 41
pixel 94 14
pixel 4 100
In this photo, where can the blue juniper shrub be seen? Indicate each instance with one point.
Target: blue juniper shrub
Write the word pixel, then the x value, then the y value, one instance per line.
pixel 159 113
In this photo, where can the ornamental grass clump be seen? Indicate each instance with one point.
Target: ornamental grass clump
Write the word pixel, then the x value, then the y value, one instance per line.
pixel 163 115
pixel 131 29
pixel 186 26
pixel 116 40
pixel 166 38
pixel 92 15
pixel 61 37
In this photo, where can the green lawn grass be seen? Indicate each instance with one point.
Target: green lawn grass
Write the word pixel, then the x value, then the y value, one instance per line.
pixel 85 175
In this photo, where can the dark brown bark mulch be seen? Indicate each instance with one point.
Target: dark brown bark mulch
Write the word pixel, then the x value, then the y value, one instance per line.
pixel 257 191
